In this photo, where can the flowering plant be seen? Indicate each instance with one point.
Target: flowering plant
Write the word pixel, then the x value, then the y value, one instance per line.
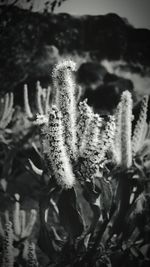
pixel 92 180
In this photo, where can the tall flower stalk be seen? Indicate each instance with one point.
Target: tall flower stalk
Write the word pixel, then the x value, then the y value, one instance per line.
pixel 126 133
pixel 64 86
pixel 57 155
pixel 141 127
pixel 126 145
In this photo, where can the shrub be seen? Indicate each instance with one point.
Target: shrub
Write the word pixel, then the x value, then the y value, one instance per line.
pixel 92 178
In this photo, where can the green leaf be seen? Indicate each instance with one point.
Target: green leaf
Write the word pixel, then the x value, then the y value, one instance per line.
pixel 106 195
pixel 92 195
pixel 45 242
pixel 69 212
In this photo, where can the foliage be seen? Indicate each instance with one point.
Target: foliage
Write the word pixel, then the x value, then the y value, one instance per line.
pixel 38 5
pixel 91 180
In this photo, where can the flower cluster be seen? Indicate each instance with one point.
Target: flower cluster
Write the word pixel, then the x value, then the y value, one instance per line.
pixel 8 249
pixel 57 152
pixel 126 122
pixel 74 139
pixel 14 231
pixel 141 127
pixel 29 254
pixel 6 110
pixel 126 145
pixel 64 87
pixel 84 120
pixel 21 227
pixel 42 104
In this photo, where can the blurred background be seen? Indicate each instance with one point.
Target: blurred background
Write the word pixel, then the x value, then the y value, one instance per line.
pixel 108 39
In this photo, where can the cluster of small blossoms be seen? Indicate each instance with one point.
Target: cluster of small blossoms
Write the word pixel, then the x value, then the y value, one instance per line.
pixel 15 230
pixel 22 227
pixel 117 138
pixel 91 136
pixel 85 117
pixel 94 155
pixel 125 145
pixel 8 249
pixel 29 254
pixel 6 110
pixel 141 127
pixel 126 129
pixel 88 149
pixel 57 152
pixel 42 119
pixel 43 100
pixel 122 142
pixel 64 87
pixel 106 138
pixel 73 134
pixel 10 253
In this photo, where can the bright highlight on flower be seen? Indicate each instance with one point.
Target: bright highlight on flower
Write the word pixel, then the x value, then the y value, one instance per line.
pixel 122 141
pixel 126 120
pixel 64 87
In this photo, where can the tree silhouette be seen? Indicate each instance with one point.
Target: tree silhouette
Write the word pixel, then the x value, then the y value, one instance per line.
pixel 33 5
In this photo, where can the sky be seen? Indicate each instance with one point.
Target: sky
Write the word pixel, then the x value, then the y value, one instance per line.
pixel 136 11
